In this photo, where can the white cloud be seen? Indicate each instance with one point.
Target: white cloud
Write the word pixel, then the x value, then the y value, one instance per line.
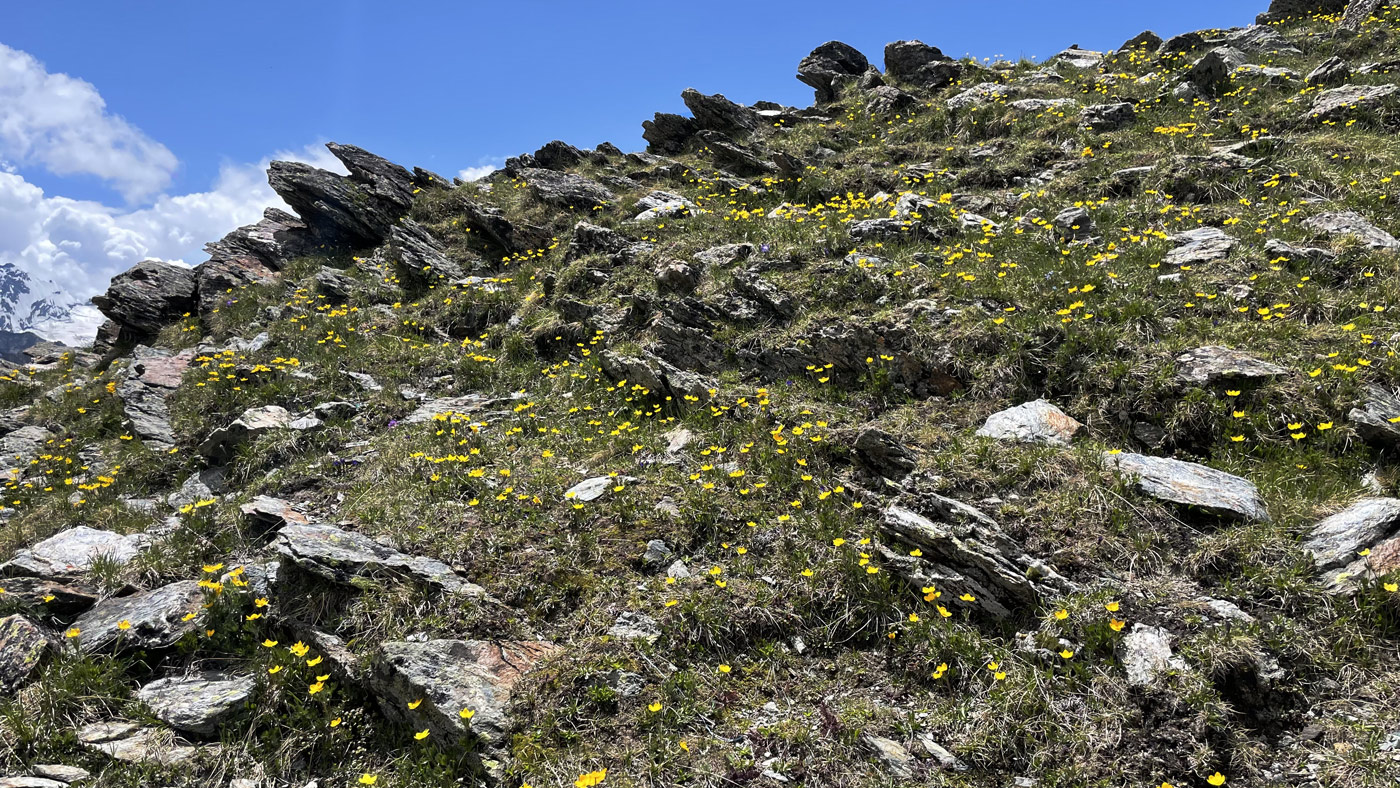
pixel 81 244
pixel 476 173
pixel 62 124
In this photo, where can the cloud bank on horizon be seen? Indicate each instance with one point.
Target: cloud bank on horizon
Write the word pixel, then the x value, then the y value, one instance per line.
pixel 61 124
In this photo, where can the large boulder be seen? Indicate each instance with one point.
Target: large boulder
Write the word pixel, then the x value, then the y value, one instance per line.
pixel 905 60
pixel 348 558
pixel 273 241
pixel 883 454
pixel 1280 10
pixel 829 64
pixel 1199 246
pixel 963 551
pixel 23 647
pixel 152 376
pixel 222 443
pixel 199 703
pixel 148 296
pixel 1103 118
pixel 459 688
pixel 419 253
pixel 1359 11
pixel 1329 73
pixel 1031 422
pixel 667 133
pixel 72 552
pixel 1190 484
pixel 152 619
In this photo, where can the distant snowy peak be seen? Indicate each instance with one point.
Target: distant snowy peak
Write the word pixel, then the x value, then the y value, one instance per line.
pixel 38 305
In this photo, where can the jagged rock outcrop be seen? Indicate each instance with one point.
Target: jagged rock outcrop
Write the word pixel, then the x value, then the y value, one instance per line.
pixel 1214 364
pixel 1281 10
pixel 1377 418
pixel 565 190
pixel 964 552
pixel 829 64
pixel 354 211
pixel 1359 541
pixel 1349 100
pixel 717 113
pixel 907 61
pixel 147 297
pixel 668 133
pixel 884 455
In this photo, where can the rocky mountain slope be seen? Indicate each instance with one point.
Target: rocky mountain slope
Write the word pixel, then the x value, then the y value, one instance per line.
pixel 1023 424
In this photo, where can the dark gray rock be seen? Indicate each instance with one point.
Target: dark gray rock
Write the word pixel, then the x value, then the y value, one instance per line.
pixel 222 443
pixel 558 155
pixel 273 241
pixel 218 281
pixel 23 648
pixel 1211 74
pixel 453 677
pixel 132 743
pixel 1216 364
pixel 965 552
pixel 769 296
pixel 1358 12
pixel 979 96
pixel 658 377
pixel 1281 10
pixel 157 619
pixel 354 211
pixel 1191 484
pixel 19 448
pixel 884 455
pixel 565 190
pixel 148 296
pixel 1262 40
pixel 418 252
pixel 151 378
pixel 905 59
pixel 199 703
pixel 725 255
pixel 1330 73
pixel 677 278
pixel 345 557
pixel 668 133
pixel 335 284
pixel 1103 118
pixel 1377 419
pixel 1074 224
pixel 717 113
pixel 734 157
pixel 889 100
pixel 1335 541
pixel 1276 248
pixel 827 65
pixel 1180 44
pixel 1146 40
pixel 62 599
pixel 1199 246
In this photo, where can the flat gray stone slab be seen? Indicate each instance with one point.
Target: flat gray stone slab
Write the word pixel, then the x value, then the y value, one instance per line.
pixel 1191 484
pixel 1031 422
pixel 1337 540
pixel 198 703
pixel 593 489
pixel 1373 417
pixel 344 556
pixel 452 676
pixel 127 741
pixel 1349 100
pixel 72 552
pixel 1212 364
pixel 1351 223
pixel 447 407
pixel 157 619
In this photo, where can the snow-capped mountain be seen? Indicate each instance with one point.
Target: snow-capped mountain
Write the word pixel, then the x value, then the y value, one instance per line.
pixel 39 306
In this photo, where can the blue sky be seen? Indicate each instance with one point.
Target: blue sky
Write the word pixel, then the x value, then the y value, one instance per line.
pixel 198 92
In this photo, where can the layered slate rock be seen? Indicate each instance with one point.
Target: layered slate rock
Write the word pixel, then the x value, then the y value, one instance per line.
pixel 1190 484
pixel 23 648
pixel 1377 418
pixel 222 443
pixel 882 454
pixel 829 64
pixel 133 743
pixel 345 557
pixel 656 376
pixel 154 619
pixel 1350 223
pixel 147 297
pixel 154 375
pixel 447 408
pixel 198 703
pixel 717 113
pixel 453 676
pixel 668 133
pixel 417 251
pixel 1103 118
pixel 1338 540
pixel 565 190
pixel 966 552
pixel 1339 103
pixel 1201 245
pixel 275 239
pixel 19 447
pixel 1031 422
pixel 62 599
pixel 1214 364
pixel 355 211
pixel 980 95
pixel 72 552
pixel 907 60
